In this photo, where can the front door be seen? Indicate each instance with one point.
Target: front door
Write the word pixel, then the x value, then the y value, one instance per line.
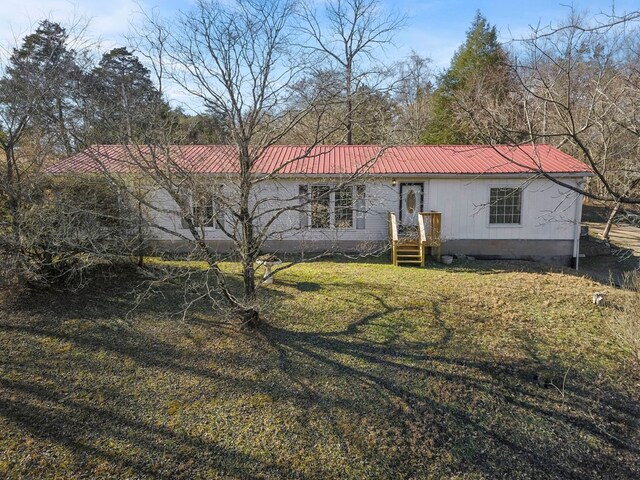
pixel 411 204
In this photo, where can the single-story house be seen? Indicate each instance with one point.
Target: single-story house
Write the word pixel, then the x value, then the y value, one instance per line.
pixel 490 201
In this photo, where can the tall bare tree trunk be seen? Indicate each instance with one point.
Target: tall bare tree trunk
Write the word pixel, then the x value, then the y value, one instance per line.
pixel 140 247
pixel 11 189
pixel 616 208
pixel 63 129
pixel 349 112
pixel 350 30
pixel 250 314
pixel 612 216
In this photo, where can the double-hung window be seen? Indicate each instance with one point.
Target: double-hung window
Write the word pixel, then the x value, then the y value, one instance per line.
pixel 320 206
pixel 344 207
pixel 505 206
pixel 203 210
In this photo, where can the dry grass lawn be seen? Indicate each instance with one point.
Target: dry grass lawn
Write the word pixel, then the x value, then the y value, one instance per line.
pixel 362 370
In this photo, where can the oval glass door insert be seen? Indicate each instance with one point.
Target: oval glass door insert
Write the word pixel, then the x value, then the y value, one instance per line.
pixel 411 201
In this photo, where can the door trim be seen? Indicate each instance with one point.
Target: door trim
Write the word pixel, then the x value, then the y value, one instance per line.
pixel 421 184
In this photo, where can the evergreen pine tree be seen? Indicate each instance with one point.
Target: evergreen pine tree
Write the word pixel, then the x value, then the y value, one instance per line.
pixel 481 55
pixel 125 100
pixel 43 79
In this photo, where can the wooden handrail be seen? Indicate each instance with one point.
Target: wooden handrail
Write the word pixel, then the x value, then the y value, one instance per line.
pixel 408 250
pixel 393 227
pixel 432 224
pixel 422 234
pixel 393 236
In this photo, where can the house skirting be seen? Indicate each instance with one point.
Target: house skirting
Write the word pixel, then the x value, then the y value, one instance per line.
pixel 280 246
pixel 549 251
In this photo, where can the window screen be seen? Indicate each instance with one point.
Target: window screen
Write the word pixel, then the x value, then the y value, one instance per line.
pixel 344 207
pixel 303 192
pixel 320 206
pixel 208 205
pixel 203 210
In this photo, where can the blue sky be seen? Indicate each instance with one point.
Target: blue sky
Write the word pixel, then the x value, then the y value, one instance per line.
pixel 435 28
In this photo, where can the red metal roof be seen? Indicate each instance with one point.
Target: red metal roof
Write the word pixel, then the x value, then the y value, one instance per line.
pixel 331 160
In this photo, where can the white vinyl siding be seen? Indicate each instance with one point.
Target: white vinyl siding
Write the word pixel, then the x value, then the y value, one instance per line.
pixel 547 210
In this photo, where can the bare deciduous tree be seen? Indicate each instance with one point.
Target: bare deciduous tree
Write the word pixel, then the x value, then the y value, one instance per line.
pixel 412 93
pixel 579 89
pixel 238 60
pixel 347 37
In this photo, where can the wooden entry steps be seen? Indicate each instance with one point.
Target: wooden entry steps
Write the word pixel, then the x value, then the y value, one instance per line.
pixel 408 252
pixel 412 250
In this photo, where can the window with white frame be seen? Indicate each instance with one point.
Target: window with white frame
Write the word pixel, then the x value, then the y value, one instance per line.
pixel 360 207
pixel 505 206
pixel 203 211
pixel 331 207
pixel 320 203
pixel 206 206
pixel 344 207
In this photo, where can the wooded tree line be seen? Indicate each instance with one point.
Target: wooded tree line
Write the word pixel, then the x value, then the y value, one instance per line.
pixel 351 94
pixel 260 73
pixel 71 102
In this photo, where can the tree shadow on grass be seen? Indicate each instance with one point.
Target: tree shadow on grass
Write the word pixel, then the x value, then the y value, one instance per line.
pixel 461 418
pixel 80 388
pixel 124 292
pixel 308 286
pixel 157 450
pixel 399 403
